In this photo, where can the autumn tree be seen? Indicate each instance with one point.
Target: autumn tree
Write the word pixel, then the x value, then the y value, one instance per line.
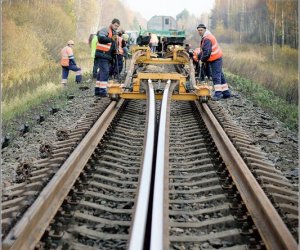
pixel 258 21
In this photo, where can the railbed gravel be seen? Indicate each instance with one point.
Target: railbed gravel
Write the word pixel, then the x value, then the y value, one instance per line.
pixel 280 143
pixel 72 104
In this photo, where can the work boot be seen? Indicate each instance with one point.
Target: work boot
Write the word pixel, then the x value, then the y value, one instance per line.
pixel 102 92
pixel 97 91
pixel 78 78
pixel 217 95
pixel 226 94
pixel 216 98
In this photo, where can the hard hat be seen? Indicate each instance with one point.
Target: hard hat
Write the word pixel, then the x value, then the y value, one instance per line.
pixel 71 42
pixel 125 37
pixel 201 25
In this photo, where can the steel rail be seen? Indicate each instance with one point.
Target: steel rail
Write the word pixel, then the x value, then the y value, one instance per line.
pixel 29 230
pixel 157 225
pixel 272 229
pixel 135 56
pixel 138 230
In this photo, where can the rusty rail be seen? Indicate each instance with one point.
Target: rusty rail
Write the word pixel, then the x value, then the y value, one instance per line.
pixel 272 229
pixel 26 233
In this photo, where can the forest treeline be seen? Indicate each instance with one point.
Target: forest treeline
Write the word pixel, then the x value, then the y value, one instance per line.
pixel 266 22
pixel 34 31
pixel 46 25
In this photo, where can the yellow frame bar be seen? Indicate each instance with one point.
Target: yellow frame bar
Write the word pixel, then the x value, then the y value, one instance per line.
pixel 160 76
pixel 175 97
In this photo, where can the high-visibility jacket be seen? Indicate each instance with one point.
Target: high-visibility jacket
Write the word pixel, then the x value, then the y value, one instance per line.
pixel 154 40
pixel 216 51
pixel 105 47
pixel 120 48
pixel 67 56
pixel 94 45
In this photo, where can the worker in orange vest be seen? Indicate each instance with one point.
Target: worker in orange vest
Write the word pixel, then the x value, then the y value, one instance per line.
pixel 212 53
pixel 105 51
pixel 68 63
pixel 117 65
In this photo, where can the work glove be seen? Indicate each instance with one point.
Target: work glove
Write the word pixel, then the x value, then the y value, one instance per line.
pixel 115 38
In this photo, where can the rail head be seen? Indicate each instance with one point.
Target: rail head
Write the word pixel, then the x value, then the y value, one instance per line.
pixel 137 235
pixel 159 227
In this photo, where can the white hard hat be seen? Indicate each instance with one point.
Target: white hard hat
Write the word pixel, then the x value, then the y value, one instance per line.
pixel 71 42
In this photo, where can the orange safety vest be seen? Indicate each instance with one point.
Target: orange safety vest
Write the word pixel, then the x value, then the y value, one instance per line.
pixel 105 47
pixel 120 49
pixel 66 54
pixel 216 52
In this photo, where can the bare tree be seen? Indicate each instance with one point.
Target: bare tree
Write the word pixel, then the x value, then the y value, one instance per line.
pixel 274 32
pixel 282 25
pixel 242 21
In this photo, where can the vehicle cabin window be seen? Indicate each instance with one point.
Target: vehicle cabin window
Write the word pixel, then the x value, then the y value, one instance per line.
pixel 167 21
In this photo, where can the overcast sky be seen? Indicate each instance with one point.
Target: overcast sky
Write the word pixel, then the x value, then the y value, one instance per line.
pixel 151 8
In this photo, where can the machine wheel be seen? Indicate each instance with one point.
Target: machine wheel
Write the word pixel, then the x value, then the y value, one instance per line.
pixel 114 97
pixel 203 99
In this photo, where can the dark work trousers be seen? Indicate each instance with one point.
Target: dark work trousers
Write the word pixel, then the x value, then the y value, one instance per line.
pixel 65 73
pixel 117 66
pixel 95 67
pixel 102 77
pixel 221 87
pixel 197 68
pixel 205 71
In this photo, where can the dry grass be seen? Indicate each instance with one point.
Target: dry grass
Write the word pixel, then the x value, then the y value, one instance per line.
pixel 18 105
pixel 255 63
pixel 35 87
pixel 33 35
pixel 286 112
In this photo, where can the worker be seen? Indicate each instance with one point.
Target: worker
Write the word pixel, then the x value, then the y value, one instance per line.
pixel 126 48
pixel 212 54
pixel 117 65
pixel 196 62
pixel 68 63
pixel 105 49
pixel 153 42
pixel 93 45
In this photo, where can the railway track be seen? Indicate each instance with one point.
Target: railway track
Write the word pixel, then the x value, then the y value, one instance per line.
pixel 151 174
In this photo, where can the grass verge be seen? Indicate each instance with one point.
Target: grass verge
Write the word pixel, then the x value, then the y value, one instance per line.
pixel 284 111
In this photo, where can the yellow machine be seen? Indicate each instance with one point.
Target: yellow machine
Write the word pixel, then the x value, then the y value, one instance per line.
pixel 188 88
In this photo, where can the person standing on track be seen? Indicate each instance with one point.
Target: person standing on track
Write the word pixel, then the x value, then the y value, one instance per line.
pixel 212 54
pixel 153 42
pixel 126 41
pixel 68 63
pixel 105 50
